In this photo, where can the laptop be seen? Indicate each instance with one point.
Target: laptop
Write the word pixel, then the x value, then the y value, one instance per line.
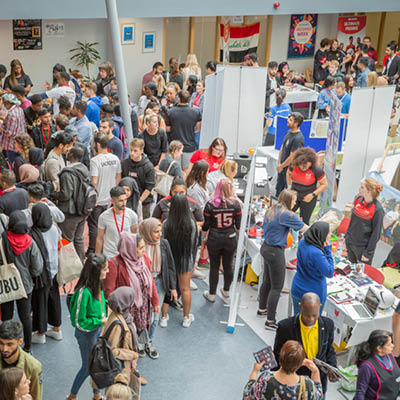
pixel 365 310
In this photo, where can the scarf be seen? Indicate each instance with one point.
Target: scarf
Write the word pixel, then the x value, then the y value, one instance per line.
pixel 17 232
pixel 120 301
pixel 42 222
pixel 135 266
pixel 28 173
pixel 146 228
pixel 133 200
pixel 316 234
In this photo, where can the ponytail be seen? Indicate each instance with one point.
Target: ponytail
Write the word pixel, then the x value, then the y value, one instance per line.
pixel 280 96
pixel 377 338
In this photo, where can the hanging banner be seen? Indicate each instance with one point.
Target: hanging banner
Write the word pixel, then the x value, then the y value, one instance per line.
pixel 242 40
pixel 332 143
pixel 27 34
pixel 302 33
pixel 351 31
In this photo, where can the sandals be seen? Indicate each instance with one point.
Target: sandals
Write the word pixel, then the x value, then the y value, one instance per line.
pixel 151 351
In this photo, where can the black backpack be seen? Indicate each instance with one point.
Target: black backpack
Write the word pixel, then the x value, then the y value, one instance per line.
pixel 86 196
pixel 103 366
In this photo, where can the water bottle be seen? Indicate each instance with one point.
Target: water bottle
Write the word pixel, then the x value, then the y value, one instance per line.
pixel 295 236
pixel 259 235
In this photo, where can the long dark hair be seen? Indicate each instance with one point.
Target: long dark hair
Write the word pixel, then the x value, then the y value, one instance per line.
pixel 377 338
pixel 198 174
pixel 179 227
pixel 90 275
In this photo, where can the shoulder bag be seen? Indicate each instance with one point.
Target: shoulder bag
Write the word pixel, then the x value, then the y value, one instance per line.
pixel 163 181
pixel 69 263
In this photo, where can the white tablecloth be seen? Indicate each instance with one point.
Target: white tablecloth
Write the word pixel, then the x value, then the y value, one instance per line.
pixel 297 94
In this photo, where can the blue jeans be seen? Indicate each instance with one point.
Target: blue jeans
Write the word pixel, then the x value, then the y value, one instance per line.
pixel 86 341
pixel 197 139
pixel 296 305
pixel 155 318
pixel 281 182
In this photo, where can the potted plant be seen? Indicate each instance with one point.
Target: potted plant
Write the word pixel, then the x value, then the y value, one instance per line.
pixel 84 55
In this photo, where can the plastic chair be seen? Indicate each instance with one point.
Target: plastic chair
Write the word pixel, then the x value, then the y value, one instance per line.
pixel 374 274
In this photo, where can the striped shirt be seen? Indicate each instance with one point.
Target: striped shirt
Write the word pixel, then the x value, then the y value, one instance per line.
pixel 14 123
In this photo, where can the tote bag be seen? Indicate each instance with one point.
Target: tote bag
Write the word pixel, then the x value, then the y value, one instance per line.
pixel 69 263
pixel 11 286
pixel 163 181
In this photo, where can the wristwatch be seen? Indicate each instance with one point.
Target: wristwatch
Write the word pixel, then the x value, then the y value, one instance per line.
pixel 314 195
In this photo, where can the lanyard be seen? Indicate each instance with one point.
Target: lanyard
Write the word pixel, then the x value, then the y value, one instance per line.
pixel 101 302
pixel 45 137
pixel 116 222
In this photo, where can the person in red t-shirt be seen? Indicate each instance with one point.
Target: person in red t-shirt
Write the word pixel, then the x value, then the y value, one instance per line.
pixel 371 51
pixel 307 179
pixel 214 155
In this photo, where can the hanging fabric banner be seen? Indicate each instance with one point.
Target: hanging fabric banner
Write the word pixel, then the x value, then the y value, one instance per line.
pixel 242 40
pixel 351 31
pixel 302 33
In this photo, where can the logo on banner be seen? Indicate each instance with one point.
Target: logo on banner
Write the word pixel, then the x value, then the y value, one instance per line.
pixel 302 33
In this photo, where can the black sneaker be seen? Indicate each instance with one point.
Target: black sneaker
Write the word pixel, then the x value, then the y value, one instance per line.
pixel 271 325
pixel 262 313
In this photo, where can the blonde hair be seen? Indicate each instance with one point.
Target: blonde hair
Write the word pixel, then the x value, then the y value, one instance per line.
pixel 373 186
pixel 334 63
pixel 174 146
pixel 229 169
pixel 120 390
pixel 372 79
pixel 285 201
pixel 192 64
pixel 149 116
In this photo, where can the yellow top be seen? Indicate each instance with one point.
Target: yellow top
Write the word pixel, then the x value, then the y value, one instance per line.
pixel 309 336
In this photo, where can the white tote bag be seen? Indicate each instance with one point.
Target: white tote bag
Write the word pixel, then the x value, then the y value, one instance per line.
pixel 163 181
pixel 69 264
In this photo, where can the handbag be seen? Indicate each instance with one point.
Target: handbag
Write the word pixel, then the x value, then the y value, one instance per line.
pixel 69 263
pixel 163 181
pixel 134 384
pixel 11 286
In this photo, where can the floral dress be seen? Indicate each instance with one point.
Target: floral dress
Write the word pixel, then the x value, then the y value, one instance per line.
pixel 266 387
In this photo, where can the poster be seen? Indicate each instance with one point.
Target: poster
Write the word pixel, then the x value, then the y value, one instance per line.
pixel 149 42
pixel 302 33
pixel 332 143
pixel 241 40
pixel 27 34
pixel 54 29
pixel 351 31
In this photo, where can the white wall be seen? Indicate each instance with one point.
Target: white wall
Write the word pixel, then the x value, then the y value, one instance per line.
pixel 327 27
pixel 38 64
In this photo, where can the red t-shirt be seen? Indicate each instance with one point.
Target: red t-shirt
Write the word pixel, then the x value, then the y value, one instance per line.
pixel 305 182
pixel 373 54
pixel 213 162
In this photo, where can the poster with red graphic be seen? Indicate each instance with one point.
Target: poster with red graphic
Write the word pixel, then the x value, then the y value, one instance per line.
pixel 351 31
pixel 302 33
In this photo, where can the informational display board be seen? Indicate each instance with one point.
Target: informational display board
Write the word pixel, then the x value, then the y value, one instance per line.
pixel 302 34
pixel 27 34
pixel 351 31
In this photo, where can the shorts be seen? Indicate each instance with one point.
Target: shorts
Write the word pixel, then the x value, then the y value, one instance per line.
pixel 185 159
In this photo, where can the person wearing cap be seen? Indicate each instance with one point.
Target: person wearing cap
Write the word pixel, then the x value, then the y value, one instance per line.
pixel 13 123
pixel 19 92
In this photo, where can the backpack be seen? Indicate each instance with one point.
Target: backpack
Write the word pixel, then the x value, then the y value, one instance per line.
pixel 103 365
pixel 86 196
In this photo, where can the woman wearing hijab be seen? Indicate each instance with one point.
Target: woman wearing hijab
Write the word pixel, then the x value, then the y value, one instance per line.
pixel 120 302
pixel 132 193
pixel 314 264
pixel 21 250
pixel 131 267
pixel 162 267
pixel 28 173
pixel 46 304
pixel 36 158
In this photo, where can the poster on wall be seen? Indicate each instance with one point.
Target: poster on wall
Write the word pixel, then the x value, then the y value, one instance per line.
pixel 54 29
pixel 351 31
pixel 242 40
pixel 27 34
pixel 332 144
pixel 302 33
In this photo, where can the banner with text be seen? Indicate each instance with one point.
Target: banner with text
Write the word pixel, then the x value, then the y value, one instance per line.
pixel 351 31
pixel 241 40
pixel 302 33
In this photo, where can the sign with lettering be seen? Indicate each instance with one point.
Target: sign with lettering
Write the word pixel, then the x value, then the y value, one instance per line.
pixel 302 33
pixel 27 34
pixel 351 31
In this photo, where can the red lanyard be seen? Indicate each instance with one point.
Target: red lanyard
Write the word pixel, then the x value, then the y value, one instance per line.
pixel 116 222
pixel 46 138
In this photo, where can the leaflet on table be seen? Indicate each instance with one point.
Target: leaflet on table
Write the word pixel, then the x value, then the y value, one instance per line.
pixel 330 369
pixel 339 283
pixel 341 297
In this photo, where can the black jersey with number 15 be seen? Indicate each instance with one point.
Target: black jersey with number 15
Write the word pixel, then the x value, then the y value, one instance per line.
pixel 223 218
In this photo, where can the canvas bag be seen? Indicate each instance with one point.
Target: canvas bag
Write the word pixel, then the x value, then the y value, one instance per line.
pixel 69 263
pixel 11 286
pixel 163 181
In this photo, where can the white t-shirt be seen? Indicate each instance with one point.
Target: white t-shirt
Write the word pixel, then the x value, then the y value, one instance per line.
pixel 59 91
pixel 111 234
pixel 105 167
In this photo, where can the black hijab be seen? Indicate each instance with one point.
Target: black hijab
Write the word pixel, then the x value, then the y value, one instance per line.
pixel 316 234
pixel 36 157
pixel 17 222
pixel 133 200
pixel 42 222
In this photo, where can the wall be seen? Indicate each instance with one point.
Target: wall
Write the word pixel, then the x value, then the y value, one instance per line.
pixel 177 39
pixel 38 64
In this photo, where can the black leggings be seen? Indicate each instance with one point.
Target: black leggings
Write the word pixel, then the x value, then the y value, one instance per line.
pixel 306 209
pixel 219 246
pixel 24 314
pixel 273 280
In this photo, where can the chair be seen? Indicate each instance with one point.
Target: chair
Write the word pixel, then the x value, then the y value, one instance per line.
pixel 374 274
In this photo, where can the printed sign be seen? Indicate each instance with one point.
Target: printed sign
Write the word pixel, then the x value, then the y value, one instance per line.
pixel 27 34
pixel 351 31
pixel 302 33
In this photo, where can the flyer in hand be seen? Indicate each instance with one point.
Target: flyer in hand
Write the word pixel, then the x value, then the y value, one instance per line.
pixel 324 367
pixel 268 356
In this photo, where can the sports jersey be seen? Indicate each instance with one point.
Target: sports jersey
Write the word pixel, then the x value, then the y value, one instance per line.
pixel 161 210
pixel 222 219
pixel 305 182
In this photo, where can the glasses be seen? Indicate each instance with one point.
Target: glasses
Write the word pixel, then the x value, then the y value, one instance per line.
pixel 219 149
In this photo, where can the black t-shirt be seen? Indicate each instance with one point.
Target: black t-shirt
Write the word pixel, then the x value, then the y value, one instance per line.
pixel 336 55
pixel 305 182
pixel 291 142
pixel 6 365
pixel 31 119
pixel 23 80
pixel 320 58
pixel 161 210
pixel 182 119
pixel 154 145
pixel 222 219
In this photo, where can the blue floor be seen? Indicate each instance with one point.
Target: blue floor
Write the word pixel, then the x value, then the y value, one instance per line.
pixel 202 362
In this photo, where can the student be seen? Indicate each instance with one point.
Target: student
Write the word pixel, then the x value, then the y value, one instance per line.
pixel 18 77
pixel 214 155
pixel 273 83
pixel 344 97
pixel 321 61
pixel 41 133
pixel 120 390
pixel 19 92
pixel 93 103
pixel 115 145
pixel 378 372
pixel 196 183
pixel 324 97
pixel 228 169
pixel 88 312
pixel 13 355
pixel 150 92
pixel 31 112
pixel 222 216
pixel 132 195
pixel 73 82
pixel 14 384
pixel 175 149
pixel 12 198
pixel 364 71
pixel 106 74
pixel 334 72
pixel 139 167
pixel 211 67
pixel 278 221
pixel 23 145
pixel 3 73
pixel 81 123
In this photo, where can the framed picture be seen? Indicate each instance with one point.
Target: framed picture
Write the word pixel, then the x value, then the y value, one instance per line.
pixel 149 42
pixel 128 34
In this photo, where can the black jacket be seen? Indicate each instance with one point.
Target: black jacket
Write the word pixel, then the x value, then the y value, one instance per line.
pixel 269 92
pixel 143 172
pixel 168 272
pixel 289 329
pixel 393 70
pixel 13 200
pixel 37 136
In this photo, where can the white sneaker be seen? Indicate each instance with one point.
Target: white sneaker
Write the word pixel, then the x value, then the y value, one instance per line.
pixel 164 321
pixel 54 335
pixel 209 297
pixel 225 293
pixel 187 321
pixel 193 286
pixel 38 339
pixel 198 275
